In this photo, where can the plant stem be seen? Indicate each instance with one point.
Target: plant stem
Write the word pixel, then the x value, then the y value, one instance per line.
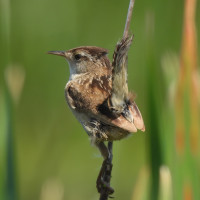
pixel 128 19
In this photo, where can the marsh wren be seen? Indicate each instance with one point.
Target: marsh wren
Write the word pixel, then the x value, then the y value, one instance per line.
pixel 97 93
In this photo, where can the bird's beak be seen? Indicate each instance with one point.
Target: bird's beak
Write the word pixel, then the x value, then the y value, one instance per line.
pixel 58 53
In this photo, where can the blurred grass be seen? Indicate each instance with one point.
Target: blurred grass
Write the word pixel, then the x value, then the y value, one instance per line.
pixel 46 154
pixel 2 146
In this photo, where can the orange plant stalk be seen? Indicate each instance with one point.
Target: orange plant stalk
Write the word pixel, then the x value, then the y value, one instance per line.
pixel 188 83
pixel 187 191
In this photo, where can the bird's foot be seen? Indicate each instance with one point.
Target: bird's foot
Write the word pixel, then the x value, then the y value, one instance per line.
pixel 103 180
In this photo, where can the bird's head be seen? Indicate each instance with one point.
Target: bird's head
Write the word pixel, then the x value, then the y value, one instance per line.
pixel 85 59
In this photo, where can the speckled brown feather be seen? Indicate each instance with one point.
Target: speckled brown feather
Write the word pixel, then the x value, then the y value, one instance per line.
pixel 88 93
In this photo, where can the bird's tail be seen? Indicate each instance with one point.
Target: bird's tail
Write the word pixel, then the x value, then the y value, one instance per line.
pixel 119 94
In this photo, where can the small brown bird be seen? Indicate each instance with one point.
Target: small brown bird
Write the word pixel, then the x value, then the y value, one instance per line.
pixel 97 93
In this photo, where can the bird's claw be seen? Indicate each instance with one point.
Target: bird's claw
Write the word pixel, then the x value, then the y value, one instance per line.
pixel 103 180
pixel 102 185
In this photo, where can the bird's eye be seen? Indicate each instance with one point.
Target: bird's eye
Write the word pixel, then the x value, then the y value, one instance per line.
pixel 77 56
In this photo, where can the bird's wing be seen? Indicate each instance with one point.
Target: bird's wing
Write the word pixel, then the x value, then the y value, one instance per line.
pixel 109 116
pixel 86 94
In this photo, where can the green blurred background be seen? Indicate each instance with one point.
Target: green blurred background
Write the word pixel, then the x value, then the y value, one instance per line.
pixel 45 153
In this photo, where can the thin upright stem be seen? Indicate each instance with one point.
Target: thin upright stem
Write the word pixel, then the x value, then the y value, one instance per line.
pixel 110 147
pixel 106 172
pixel 104 178
pixel 128 19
